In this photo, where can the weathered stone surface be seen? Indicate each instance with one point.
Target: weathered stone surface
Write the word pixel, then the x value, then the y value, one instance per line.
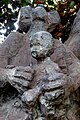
pixel 72 113
pixel 61 55
pixel 52 20
pixel 25 18
pixel 45 83
pixel 16 46
pixel 41 49
pixel 39 13
pixel 10 48
pixel 75 30
pixel 65 58
pixel 12 110
pixel 41 118
pixel 51 90
pixel 36 26
pixel 76 25
pixel 20 78
pixel 3 78
pixel 48 86
pixel 73 41
pixel 15 51
pixel 24 58
pixel 74 45
pixel 47 104
pixel 68 63
pixel 54 85
pixel 30 97
pixel 46 108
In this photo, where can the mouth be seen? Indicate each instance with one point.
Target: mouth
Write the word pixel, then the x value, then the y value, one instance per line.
pixel 34 54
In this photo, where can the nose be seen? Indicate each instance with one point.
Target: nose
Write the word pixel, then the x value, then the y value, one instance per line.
pixel 34 42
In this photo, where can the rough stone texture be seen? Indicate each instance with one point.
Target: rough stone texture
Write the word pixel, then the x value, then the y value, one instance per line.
pixel 69 65
pixel 30 97
pixel 67 61
pixel 16 46
pixel 73 41
pixel 12 110
pixel 42 82
pixel 76 24
pixel 44 47
pixel 49 90
pixel 39 13
pixel 45 80
pixel 15 50
pixel 52 83
pixel 20 78
pixel 52 19
pixel 25 18
pixel 3 78
pixel 64 57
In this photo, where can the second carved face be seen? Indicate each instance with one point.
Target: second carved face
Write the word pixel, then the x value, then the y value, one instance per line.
pixel 41 44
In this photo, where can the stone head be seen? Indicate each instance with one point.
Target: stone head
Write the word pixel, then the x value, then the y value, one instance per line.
pixel 41 44
pixel 39 13
pixel 28 17
pixel 25 18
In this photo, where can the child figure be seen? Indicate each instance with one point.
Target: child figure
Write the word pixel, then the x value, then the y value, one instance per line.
pixel 47 89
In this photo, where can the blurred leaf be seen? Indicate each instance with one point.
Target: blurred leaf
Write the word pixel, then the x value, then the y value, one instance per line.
pixel 0 14
pixel 50 2
pixel 28 2
pixel 6 2
pixel 72 4
pixel 25 2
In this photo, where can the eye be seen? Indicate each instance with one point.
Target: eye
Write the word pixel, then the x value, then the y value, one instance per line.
pixel 42 37
pixel 27 17
pixel 38 43
pixel 31 45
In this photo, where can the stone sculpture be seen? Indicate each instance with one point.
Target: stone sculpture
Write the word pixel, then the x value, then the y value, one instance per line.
pixel 45 91
pixel 16 46
pixel 45 76
pixel 48 86
pixel 37 19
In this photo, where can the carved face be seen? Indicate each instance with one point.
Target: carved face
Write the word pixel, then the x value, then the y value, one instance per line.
pixel 41 44
pixel 25 18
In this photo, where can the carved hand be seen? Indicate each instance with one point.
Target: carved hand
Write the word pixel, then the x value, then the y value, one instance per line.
pixel 20 77
pixel 54 87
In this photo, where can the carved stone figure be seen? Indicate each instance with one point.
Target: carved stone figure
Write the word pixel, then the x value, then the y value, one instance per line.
pixel 43 88
pixel 45 91
pixel 16 46
pixel 48 85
